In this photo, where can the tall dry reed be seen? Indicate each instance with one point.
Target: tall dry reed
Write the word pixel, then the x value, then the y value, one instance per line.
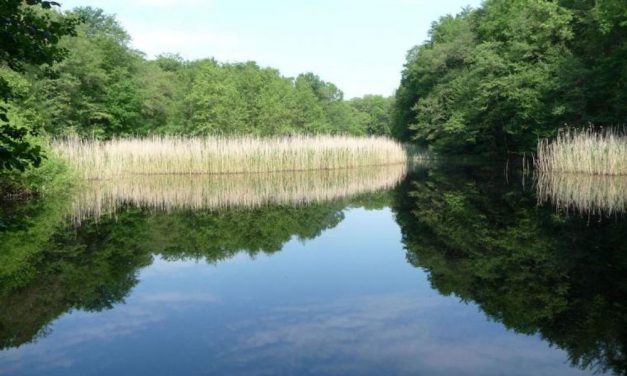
pixel 173 192
pixel 213 155
pixel 584 151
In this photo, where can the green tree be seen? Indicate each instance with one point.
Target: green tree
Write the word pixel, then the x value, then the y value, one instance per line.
pixel 495 79
pixel 374 114
pixel 29 35
pixel 95 90
pixel 104 88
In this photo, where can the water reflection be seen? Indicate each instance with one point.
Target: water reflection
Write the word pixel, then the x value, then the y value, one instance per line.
pixel 583 194
pixel 46 270
pixel 172 192
pixel 477 237
pixel 532 269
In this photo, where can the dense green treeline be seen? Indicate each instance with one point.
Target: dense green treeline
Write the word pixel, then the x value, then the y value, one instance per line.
pixel 488 81
pixel 87 80
pixel 495 79
pixel 104 88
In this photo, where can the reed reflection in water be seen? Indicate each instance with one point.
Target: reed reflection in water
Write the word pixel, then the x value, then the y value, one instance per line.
pixel 583 193
pixel 170 192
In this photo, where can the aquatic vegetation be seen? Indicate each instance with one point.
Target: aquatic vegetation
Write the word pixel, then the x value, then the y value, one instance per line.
pixel 95 159
pixel 584 151
pixel 583 194
pixel 583 171
pixel 169 192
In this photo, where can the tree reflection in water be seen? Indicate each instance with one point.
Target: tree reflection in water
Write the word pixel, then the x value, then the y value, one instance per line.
pixel 530 267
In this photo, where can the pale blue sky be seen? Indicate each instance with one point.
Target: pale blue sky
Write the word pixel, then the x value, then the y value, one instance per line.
pixel 359 45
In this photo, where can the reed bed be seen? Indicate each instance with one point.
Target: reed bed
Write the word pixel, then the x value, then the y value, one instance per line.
pixel 584 151
pixel 175 192
pixel 214 155
pixel 583 194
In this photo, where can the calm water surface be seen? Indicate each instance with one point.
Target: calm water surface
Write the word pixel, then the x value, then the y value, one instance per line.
pixel 453 271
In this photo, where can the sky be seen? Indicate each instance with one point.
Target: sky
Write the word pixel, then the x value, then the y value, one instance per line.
pixel 359 45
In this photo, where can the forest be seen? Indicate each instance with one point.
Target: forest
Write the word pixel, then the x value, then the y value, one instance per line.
pixel 76 74
pixel 489 81
pixel 493 80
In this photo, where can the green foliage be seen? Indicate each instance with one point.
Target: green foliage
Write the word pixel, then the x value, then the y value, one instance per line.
pixel 94 91
pixel 20 184
pixel 494 80
pixel 236 99
pixel 374 114
pixel 97 86
pixel 105 89
pixel 243 98
pixel 29 34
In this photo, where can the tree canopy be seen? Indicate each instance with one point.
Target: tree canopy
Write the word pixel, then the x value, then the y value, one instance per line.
pixel 94 84
pixel 29 35
pixel 105 88
pixel 495 79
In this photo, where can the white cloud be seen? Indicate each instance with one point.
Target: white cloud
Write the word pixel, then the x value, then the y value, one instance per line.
pixel 191 44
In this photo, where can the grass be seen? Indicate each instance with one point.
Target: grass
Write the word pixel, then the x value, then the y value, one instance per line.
pixel 584 151
pixel 172 192
pixel 214 155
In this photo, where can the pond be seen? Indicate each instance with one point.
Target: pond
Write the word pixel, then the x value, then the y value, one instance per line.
pixel 439 270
